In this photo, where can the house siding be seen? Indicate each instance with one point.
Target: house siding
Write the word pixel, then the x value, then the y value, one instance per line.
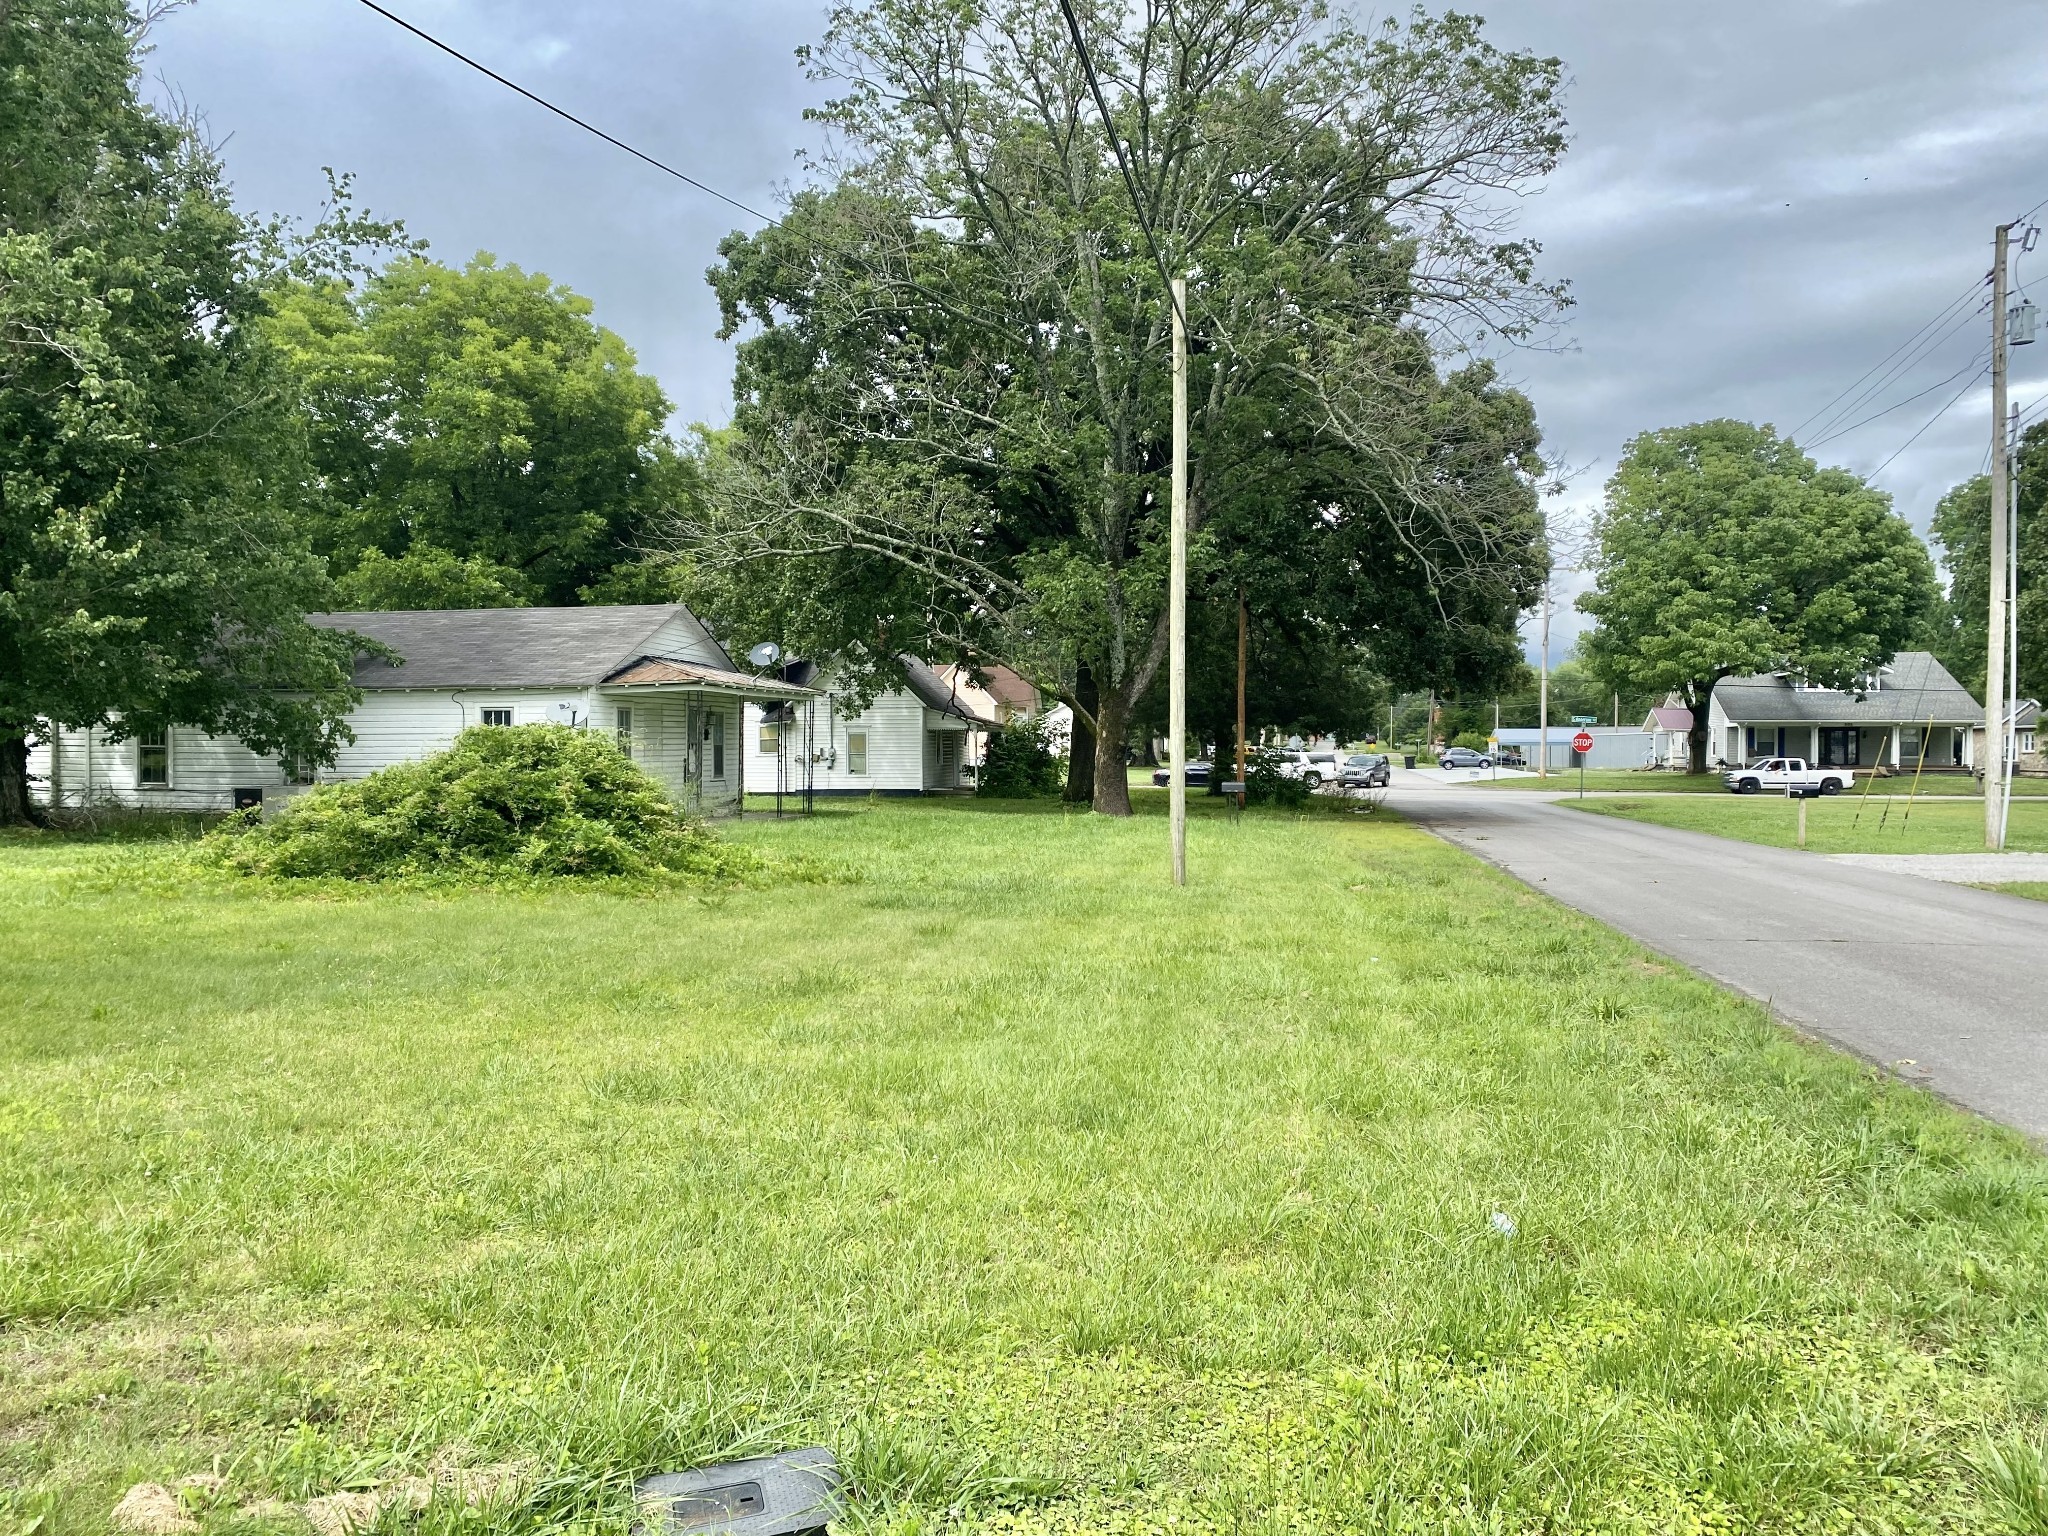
pixel 894 724
pixel 390 727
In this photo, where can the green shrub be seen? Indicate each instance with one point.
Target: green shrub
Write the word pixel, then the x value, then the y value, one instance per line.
pixel 1020 763
pixel 531 800
pixel 1476 740
pixel 1265 784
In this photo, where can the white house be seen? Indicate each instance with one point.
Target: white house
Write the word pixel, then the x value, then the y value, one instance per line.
pixel 1907 716
pixel 922 738
pixel 651 674
pixel 1670 729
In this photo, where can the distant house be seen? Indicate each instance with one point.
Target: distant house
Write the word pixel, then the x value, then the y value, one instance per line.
pixel 1906 716
pixel 922 738
pixel 651 675
pixel 1670 731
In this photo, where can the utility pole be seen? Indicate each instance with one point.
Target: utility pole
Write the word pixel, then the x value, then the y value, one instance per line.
pixel 1994 671
pixel 1543 690
pixel 1177 596
pixel 2012 630
pixel 1243 628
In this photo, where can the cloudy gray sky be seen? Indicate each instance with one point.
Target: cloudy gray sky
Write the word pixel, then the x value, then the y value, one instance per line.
pixel 1764 197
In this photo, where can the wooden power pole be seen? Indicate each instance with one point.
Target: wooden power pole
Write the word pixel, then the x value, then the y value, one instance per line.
pixel 1994 671
pixel 1177 597
pixel 1243 630
pixel 1543 689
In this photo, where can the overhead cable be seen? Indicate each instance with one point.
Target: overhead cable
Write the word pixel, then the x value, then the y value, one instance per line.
pixel 1909 442
pixel 563 113
pixel 1946 316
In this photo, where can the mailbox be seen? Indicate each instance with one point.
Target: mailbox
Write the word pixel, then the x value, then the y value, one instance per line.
pixel 787 1494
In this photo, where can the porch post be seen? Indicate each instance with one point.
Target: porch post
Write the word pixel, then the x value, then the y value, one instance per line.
pixel 1897 761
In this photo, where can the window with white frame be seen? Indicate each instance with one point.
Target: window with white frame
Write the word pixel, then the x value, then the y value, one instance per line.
pixel 622 722
pixel 495 716
pixel 718 745
pixel 153 759
pixel 857 752
pixel 771 738
pixel 298 769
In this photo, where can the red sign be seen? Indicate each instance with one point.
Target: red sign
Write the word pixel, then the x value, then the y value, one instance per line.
pixel 1582 743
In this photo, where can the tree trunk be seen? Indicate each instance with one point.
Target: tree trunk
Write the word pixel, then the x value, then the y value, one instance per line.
pixel 1696 738
pixel 16 809
pixel 1112 780
pixel 1080 788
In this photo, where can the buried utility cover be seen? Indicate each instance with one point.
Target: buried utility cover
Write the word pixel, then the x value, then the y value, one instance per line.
pixel 780 1495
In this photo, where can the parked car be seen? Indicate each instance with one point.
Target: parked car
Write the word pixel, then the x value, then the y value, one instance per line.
pixel 1315 769
pixel 1323 768
pixel 1365 770
pixel 1463 757
pixel 1786 776
pixel 1198 773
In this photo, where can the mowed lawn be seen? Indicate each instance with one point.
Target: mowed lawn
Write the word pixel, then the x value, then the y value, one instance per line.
pixel 1354 1188
pixel 1850 823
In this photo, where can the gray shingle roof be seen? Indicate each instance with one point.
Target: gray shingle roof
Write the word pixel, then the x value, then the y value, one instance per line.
pixel 936 693
pixel 1913 690
pixel 503 647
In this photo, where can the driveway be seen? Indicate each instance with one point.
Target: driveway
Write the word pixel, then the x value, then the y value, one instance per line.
pixel 1942 984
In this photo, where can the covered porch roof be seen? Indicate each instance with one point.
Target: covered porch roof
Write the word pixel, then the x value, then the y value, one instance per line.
pixel 663 674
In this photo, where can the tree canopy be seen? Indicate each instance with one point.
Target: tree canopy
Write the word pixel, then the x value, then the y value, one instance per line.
pixel 951 424
pixel 152 464
pixel 1962 528
pixel 1724 550
pixel 478 440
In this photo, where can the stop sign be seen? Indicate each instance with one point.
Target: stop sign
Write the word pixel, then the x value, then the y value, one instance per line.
pixel 1582 743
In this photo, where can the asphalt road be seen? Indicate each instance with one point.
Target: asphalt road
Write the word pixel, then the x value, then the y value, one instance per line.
pixel 1942 984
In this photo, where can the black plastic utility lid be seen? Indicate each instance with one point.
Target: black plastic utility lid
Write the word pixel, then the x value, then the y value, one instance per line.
pixel 780 1495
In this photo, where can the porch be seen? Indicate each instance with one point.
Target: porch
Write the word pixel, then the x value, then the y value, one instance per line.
pixel 682 723
pixel 1899 746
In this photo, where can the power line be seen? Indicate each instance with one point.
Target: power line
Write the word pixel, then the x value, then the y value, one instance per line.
pixel 1909 442
pixel 1976 362
pixel 1944 316
pixel 567 116
pixel 1832 425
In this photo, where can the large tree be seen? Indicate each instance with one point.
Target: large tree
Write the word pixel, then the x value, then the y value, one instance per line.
pixel 952 420
pixel 152 571
pixel 1962 527
pixel 1722 549
pixel 479 440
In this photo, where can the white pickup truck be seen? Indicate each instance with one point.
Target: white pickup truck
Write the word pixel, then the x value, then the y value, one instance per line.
pixel 1785 775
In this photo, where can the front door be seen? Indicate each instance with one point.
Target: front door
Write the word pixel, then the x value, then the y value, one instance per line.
pixel 1841 748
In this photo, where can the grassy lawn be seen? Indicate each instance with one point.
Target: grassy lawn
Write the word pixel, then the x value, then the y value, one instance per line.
pixel 1055 1199
pixel 2033 890
pixel 1839 823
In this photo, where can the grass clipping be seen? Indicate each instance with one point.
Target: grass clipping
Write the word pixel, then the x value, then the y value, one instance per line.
pixel 529 802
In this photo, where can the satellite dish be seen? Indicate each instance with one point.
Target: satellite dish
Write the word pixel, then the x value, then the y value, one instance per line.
pixel 764 655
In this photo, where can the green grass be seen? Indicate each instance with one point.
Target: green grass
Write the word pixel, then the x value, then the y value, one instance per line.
pixel 1838 823
pixel 1056 1199
pixel 2033 890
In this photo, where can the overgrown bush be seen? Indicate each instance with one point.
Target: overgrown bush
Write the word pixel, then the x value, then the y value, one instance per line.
pixel 531 800
pixel 1265 784
pixel 1020 763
